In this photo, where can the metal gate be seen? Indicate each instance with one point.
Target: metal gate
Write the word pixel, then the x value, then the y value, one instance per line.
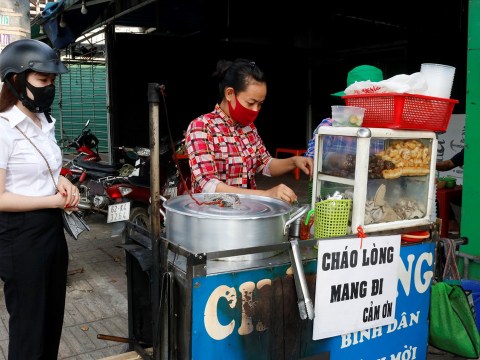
pixel 82 93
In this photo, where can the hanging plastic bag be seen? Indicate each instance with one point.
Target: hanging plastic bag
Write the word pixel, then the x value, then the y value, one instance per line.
pixel 452 325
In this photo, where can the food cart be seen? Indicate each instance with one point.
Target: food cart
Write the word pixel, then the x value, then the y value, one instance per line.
pixel 249 308
pixel 248 293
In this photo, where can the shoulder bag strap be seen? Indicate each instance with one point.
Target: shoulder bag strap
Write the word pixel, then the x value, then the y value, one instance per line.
pixel 41 154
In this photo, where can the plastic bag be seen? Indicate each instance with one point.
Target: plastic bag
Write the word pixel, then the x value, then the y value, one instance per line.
pixel 73 224
pixel 452 325
pixel 412 84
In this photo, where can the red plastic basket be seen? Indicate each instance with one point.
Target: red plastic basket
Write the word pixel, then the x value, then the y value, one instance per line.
pixel 404 111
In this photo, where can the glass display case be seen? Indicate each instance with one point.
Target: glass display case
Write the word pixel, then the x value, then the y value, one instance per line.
pixel 388 174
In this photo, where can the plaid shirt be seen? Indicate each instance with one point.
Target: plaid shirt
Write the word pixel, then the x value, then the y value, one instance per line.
pixel 221 150
pixel 340 144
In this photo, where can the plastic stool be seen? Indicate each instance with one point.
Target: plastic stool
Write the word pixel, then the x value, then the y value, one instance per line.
pixel 294 152
pixel 445 197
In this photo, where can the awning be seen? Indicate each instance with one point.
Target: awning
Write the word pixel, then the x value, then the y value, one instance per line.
pixel 65 20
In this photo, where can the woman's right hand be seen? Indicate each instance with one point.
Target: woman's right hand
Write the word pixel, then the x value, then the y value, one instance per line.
pixel 61 201
pixel 282 192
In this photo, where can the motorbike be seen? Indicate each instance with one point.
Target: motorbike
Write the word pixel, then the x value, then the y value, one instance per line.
pixel 122 191
pixel 96 178
pixel 174 177
pixel 133 190
pixel 86 146
pixel 86 143
pixel 175 173
pixel 87 162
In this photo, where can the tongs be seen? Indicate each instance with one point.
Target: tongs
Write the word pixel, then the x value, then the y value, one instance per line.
pixel 305 305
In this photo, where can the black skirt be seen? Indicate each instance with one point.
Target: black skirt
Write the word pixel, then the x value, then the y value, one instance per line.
pixel 33 266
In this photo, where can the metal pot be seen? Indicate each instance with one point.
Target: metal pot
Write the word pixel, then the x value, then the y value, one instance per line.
pixel 255 221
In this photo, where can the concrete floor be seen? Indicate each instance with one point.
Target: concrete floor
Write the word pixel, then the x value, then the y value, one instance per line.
pixel 97 290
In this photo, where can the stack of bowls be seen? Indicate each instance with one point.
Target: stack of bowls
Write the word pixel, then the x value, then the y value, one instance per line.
pixel 450 182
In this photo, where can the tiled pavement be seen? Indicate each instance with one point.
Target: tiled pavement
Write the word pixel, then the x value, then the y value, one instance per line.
pixel 97 290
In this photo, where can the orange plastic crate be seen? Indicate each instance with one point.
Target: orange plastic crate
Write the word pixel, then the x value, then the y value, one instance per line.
pixel 404 111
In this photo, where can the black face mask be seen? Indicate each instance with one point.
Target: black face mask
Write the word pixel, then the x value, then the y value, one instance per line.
pixel 42 98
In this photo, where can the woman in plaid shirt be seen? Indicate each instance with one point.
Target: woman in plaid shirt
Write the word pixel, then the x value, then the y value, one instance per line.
pixel 224 148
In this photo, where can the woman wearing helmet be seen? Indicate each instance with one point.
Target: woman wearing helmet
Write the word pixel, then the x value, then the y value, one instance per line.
pixel 33 249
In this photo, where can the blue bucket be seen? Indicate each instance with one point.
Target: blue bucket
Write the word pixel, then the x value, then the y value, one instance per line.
pixel 474 287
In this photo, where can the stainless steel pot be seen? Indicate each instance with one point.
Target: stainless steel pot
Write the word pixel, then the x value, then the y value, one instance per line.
pixel 255 221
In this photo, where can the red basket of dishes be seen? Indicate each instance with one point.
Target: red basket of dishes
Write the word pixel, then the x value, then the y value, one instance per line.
pixel 404 111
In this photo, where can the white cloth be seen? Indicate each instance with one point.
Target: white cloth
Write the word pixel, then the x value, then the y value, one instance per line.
pixel 26 170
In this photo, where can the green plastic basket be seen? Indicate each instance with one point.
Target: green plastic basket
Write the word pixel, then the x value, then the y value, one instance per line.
pixel 331 218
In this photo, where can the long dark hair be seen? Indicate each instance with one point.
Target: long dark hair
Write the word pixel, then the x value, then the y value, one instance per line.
pixel 7 98
pixel 237 74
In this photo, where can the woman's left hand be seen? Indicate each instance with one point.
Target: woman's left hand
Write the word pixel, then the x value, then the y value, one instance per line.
pixel 304 163
pixel 70 191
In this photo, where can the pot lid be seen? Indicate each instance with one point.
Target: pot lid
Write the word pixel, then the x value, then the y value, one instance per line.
pixel 245 206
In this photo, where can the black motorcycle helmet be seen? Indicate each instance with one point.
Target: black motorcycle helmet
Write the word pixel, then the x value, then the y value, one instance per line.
pixel 91 141
pixel 28 55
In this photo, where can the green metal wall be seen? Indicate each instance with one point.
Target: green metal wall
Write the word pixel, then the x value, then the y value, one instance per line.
pixel 471 176
pixel 82 95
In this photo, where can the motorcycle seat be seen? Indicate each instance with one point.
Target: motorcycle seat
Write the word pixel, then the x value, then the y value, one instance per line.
pixel 142 181
pixel 95 175
pixel 97 167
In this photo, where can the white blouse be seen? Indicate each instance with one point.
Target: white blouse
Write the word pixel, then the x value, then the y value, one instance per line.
pixel 26 170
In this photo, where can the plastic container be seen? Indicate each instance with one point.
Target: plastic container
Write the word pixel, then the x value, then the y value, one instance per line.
pixel 404 111
pixel 306 224
pixel 347 115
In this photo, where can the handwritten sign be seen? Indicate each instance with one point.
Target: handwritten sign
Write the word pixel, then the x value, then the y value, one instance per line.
pixel 356 284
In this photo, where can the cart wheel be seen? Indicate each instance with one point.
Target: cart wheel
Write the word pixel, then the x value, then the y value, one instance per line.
pixel 138 216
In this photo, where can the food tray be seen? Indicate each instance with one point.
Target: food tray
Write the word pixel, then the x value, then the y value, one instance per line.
pixel 416 236
pixel 404 111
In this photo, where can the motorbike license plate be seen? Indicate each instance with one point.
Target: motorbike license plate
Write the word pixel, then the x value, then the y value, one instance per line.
pixel 118 212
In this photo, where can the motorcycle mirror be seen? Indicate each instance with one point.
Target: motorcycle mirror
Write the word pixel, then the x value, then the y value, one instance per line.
pixel 131 155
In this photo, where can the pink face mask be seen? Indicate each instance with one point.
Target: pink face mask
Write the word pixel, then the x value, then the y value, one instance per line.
pixel 241 114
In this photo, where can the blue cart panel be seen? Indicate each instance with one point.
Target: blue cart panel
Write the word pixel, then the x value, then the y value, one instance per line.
pixel 253 314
